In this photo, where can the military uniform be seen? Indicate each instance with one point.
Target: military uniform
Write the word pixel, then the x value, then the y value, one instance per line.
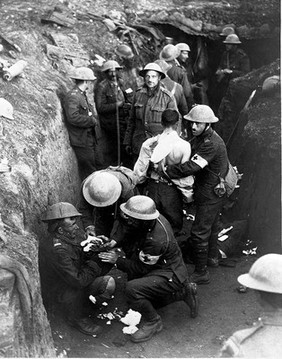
pixel 103 217
pixel 154 265
pixel 81 124
pixel 177 91
pixel 237 61
pixel 146 113
pixel 263 340
pixel 208 161
pixel 108 93
pixel 179 75
pixel 71 273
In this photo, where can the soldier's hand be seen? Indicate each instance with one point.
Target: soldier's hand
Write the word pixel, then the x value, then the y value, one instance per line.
pixel 109 257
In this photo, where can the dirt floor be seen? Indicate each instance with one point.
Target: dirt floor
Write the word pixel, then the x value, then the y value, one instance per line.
pixel 223 309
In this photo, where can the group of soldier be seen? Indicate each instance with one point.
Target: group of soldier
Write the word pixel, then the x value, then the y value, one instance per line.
pixel 150 149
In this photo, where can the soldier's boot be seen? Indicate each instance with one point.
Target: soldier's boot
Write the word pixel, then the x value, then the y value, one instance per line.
pixel 188 293
pixel 201 274
pixel 85 326
pixel 147 330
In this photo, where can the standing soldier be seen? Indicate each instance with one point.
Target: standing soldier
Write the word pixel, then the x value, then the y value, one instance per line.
pixel 81 122
pixel 111 106
pixel 169 54
pixel 234 63
pixel 185 60
pixel 148 105
pixel 209 161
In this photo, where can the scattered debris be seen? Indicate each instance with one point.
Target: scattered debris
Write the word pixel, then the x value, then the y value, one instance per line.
pixel 92 299
pixel 223 238
pixel 131 318
pixel 242 289
pixel 10 45
pixel 15 70
pixel 55 17
pixel 250 252
pixel 66 48
pixel 224 231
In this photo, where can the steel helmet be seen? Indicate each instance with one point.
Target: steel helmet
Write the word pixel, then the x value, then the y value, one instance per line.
pixel 163 65
pixel 124 50
pixel 110 65
pixel 6 109
pixel 83 73
pixel 152 66
pixel 101 189
pixel 227 30
pixel 232 39
pixel 201 113
pixel 140 207
pixel 271 84
pixel 60 210
pixel 265 274
pixel 169 52
pixel 183 47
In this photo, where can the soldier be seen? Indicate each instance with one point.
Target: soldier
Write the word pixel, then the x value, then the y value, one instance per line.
pixel 208 161
pixel 169 54
pixel 102 192
pixel 148 104
pixel 112 107
pixel 263 339
pixel 72 276
pixel 153 263
pixel 184 60
pixel 234 63
pixel 81 121
pixel 174 87
pixel 156 152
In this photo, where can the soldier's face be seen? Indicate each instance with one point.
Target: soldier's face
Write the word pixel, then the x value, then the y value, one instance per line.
pixel 184 55
pixel 70 227
pixel 152 78
pixel 229 47
pixel 198 128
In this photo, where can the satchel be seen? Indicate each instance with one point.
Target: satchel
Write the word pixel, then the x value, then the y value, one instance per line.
pixel 228 184
pixel 230 180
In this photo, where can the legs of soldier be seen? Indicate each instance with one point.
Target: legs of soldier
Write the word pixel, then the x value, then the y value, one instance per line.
pixel 206 214
pixel 168 201
pixel 140 294
pixel 213 247
pixel 86 160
